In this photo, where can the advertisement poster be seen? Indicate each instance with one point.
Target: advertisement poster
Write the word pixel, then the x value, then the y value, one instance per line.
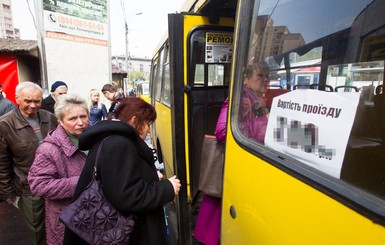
pixel 76 44
pixel 305 123
pixel 76 20
pixel 219 47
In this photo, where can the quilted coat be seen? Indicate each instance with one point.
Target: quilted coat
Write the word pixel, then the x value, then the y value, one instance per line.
pixel 129 180
pixel 220 129
pixel 53 176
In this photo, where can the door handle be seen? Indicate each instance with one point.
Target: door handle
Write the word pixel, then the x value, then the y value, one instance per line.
pixel 233 212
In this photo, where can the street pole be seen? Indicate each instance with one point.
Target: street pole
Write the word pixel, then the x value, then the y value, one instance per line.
pixel 41 45
pixel 127 58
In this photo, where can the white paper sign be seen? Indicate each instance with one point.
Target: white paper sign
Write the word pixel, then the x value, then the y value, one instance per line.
pixel 219 47
pixel 312 126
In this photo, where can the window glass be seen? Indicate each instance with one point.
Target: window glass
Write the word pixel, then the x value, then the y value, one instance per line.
pixel 159 76
pixel 154 74
pixel 311 77
pixel 216 75
pixel 363 77
pixel 166 88
pixel 166 79
pixel 199 78
pixel 211 55
pixel 145 88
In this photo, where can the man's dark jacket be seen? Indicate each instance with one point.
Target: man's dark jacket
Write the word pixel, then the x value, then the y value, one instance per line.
pixel 18 144
pixel 48 104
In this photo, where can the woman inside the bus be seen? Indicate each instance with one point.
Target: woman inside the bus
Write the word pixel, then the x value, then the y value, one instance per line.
pixel 254 113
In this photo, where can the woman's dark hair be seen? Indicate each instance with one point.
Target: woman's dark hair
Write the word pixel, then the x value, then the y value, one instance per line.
pixel 135 106
pixel 109 88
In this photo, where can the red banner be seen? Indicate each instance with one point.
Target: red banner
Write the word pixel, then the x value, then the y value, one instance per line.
pixel 9 76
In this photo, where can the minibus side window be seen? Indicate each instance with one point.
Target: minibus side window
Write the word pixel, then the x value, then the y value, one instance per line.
pixel 313 93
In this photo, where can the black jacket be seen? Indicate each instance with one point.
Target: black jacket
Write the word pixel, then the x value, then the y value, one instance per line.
pixel 129 178
pixel 48 104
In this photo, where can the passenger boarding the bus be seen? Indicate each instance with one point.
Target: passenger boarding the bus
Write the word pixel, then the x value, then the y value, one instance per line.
pixel 208 222
pixel 254 113
pixel 253 124
pixel 112 94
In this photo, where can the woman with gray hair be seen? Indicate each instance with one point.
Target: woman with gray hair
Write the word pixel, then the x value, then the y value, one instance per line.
pixel 58 163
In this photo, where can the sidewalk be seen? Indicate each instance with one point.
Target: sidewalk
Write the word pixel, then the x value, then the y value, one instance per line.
pixel 12 227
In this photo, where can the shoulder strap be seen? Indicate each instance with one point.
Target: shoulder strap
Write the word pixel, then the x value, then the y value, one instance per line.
pixel 97 155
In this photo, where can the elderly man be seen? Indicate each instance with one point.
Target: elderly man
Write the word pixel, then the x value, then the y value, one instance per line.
pixel 58 88
pixel 21 132
pixel 5 104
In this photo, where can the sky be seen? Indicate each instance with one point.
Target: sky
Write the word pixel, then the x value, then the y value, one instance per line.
pixel 144 30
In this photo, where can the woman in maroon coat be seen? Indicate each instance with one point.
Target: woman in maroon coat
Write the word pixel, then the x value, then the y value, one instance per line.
pixel 127 172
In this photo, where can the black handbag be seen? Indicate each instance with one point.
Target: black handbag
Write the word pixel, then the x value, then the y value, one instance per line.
pixel 211 168
pixel 94 219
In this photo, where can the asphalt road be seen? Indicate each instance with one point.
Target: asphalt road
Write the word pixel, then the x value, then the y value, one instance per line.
pixel 12 227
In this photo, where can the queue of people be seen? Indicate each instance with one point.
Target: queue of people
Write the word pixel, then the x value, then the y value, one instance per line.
pixel 46 160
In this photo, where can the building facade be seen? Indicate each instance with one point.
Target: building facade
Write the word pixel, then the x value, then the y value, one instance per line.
pixel 7 29
pixel 273 39
pixel 137 67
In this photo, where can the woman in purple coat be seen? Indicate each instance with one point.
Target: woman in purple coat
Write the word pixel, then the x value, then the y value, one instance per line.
pixel 254 113
pixel 58 163
pixel 208 223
